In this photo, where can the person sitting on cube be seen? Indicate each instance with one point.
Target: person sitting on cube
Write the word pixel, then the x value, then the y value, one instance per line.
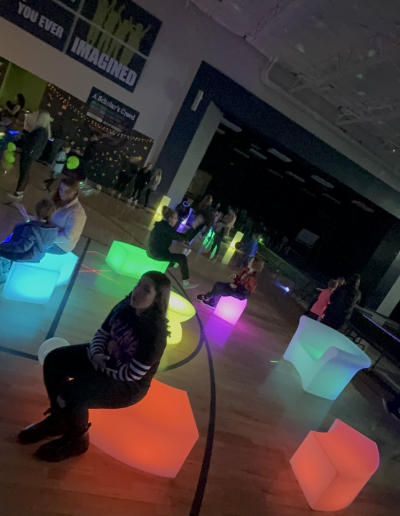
pixel 30 240
pixel 244 284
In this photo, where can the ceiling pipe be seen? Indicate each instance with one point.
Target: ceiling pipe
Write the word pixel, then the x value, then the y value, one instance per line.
pixel 384 173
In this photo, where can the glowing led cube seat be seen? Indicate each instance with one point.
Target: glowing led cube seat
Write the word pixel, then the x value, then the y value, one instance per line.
pixel 155 435
pixel 325 359
pixel 179 310
pixel 333 467
pixel 35 282
pixel 129 260
pixel 230 309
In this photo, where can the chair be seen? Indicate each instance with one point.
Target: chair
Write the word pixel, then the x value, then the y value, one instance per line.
pixel 129 260
pixel 179 310
pixel 230 309
pixel 35 282
pixel 325 359
pixel 155 435
pixel 333 467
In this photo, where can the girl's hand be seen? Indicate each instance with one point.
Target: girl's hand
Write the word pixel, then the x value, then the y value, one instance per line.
pixel 101 360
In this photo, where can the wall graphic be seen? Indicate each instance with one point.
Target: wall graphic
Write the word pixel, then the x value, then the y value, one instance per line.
pixel 112 37
pixel 111 112
pixel 71 123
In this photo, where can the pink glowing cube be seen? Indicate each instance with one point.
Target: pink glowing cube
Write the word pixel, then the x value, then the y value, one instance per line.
pixel 155 435
pixel 230 309
pixel 333 467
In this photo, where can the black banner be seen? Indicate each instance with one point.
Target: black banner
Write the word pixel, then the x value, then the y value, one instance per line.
pixel 110 112
pixel 106 38
pixel 42 18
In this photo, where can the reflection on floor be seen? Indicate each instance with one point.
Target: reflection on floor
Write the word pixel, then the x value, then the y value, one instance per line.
pixel 262 414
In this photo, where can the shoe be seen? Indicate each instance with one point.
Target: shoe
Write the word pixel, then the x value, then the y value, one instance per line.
pixel 208 303
pixel 15 196
pixel 64 447
pixel 112 193
pixel 49 427
pixel 119 196
pixel 188 285
pixel 387 408
pixel 200 297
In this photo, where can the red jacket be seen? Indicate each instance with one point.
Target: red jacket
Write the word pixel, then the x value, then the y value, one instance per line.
pixel 249 282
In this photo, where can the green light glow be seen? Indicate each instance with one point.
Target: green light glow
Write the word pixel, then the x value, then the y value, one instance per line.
pixel 129 260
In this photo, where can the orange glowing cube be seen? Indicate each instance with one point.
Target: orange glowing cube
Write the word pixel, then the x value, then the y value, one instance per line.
pixel 155 435
pixel 333 467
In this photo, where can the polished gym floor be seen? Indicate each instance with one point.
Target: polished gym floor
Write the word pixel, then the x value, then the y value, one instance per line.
pixel 250 409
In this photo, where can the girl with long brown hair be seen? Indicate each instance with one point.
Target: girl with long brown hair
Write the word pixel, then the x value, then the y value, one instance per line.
pixel 113 371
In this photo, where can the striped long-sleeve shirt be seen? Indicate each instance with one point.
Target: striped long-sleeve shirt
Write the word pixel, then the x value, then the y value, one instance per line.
pixel 134 343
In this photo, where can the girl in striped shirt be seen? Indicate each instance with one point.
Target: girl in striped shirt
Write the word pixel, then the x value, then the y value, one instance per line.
pixel 113 371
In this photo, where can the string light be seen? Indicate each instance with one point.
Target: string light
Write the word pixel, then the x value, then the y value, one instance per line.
pixel 83 114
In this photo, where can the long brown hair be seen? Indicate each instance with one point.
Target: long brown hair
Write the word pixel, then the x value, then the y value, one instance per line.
pixel 71 184
pixel 162 285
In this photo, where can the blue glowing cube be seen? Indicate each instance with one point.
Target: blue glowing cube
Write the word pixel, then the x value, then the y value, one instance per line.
pixel 35 282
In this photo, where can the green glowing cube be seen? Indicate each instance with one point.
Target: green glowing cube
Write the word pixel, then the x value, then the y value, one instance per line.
pixel 132 261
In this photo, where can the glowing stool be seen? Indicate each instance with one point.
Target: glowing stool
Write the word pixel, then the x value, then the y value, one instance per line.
pixel 155 435
pixel 325 359
pixel 35 282
pixel 179 310
pixel 230 309
pixel 333 467
pixel 129 260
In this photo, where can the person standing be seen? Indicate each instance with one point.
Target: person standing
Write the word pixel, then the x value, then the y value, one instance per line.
pixel 229 220
pixel 152 185
pixel 32 147
pixel 142 178
pixel 129 170
pixel 342 303
pixel 58 166
pixel 183 211
pixel 249 249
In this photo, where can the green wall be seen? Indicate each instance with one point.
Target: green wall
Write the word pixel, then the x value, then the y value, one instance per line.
pixel 18 80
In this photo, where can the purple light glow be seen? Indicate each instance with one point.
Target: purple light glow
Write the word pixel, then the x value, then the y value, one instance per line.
pixel 217 330
pixel 230 309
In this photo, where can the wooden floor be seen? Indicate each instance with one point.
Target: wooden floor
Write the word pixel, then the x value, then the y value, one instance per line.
pixel 261 413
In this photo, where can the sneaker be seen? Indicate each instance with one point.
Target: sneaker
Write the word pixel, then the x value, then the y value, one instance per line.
pixel 387 408
pixel 187 285
pixel 50 427
pixel 15 196
pixel 64 447
pixel 200 297
pixel 208 303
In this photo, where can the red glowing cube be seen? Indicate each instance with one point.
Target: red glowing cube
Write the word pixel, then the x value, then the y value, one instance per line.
pixel 333 467
pixel 155 435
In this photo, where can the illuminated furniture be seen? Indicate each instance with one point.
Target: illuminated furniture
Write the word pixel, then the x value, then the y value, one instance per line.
pixel 232 247
pixel 333 467
pixel 155 435
pixel 285 284
pixel 325 359
pixel 49 345
pixel 179 310
pixel 230 309
pixel 158 214
pixel 35 282
pixel 129 260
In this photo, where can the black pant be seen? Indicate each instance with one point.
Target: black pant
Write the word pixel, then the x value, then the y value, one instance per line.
pixel 55 148
pixel 216 245
pixel 147 195
pixel 25 163
pixel 122 183
pixel 394 405
pixel 88 388
pixel 225 289
pixel 138 190
pixel 173 258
